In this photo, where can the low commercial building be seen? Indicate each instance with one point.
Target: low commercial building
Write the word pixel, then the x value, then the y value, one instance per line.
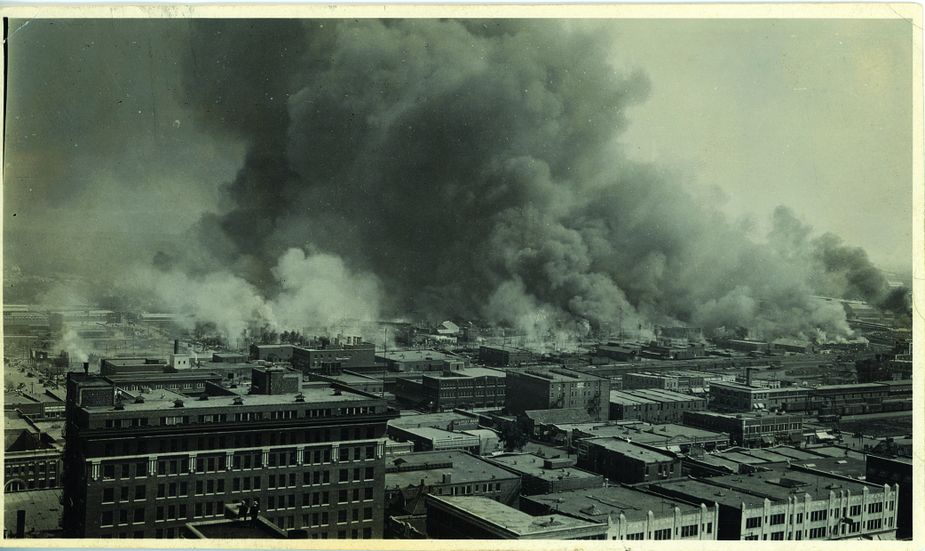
pixel 485 518
pixel 627 462
pixel 420 361
pixel 411 477
pixel 543 475
pixel 229 357
pixel 631 514
pixel 632 381
pixel 358 381
pixel 446 420
pixel 652 405
pixel 668 437
pixel 431 439
pixel 557 388
pixel 853 399
pixel 788 504
pixel 504 356
pixel 473 387
pixel 754 429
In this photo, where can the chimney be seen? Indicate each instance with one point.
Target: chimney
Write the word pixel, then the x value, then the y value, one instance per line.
pixel 20 523
pixel 176 346
pixel 87 368
pixel 748 376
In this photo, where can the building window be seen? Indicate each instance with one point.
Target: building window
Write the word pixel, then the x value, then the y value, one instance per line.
pixel 776 519
pixel 753 522
pixel 688 531
pixel 664 534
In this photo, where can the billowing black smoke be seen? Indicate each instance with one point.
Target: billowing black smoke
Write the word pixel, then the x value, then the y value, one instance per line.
pixel 473 169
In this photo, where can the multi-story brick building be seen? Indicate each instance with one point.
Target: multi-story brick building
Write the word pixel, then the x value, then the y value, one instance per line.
pixel 335 358
pixel 470 387
pixel 557 388
pixel 652 405
pixel 504 356
pixel 31 458
pixel 753 429
pixel 623 461
pixel 543 475
pixel 141 468
pixel 736 397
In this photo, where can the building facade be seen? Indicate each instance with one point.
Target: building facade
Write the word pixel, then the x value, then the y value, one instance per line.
pixel 755 429
pixel 312 460
pixel 557 388
pixel 631 514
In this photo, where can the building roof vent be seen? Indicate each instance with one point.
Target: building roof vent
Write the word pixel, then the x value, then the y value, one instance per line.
pixel 300 397
pixel 178 403
pixel 238 401
pixel 203 397
pixel 139 399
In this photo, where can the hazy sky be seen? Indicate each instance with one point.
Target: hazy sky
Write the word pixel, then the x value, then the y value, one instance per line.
pixel 815 115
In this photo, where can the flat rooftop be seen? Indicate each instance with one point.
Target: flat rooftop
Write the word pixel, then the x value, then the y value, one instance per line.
pixel 468 372
pixel 519 523
pixel 432 467
pixel 437 434
pixel 629 449
pixel 505 348
pixel 558 375
pixel 698 491
pixel 780 483
pixel 313 395
pixel 597 504
pixel 558 416
pixel 746 414
pixel 440 419
pixel 532 465
pixel 416 356
pixel 670 430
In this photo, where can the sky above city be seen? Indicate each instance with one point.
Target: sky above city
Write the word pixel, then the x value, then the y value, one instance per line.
pixel 129 141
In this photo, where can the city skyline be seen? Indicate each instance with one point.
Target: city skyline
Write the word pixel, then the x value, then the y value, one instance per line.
pixel 418 278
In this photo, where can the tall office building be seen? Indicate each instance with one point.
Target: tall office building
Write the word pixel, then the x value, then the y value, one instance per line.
pixel 145 464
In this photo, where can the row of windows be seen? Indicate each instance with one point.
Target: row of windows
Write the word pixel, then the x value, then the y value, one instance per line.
pixel 171 420
pixel 240 461
pixel 245 440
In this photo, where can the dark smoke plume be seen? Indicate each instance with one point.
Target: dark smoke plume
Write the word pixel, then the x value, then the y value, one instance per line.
pixel 472 169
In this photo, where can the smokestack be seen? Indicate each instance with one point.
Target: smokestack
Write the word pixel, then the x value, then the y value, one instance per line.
pixel 748 376
pixel 176 346
pixel 87 368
